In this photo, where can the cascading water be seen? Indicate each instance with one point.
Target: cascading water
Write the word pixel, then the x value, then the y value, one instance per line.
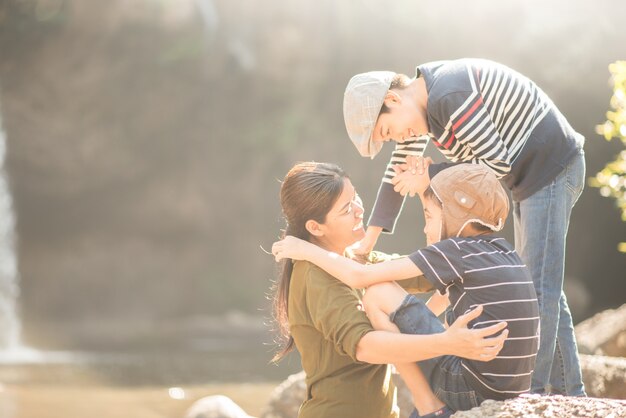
pixel 9 323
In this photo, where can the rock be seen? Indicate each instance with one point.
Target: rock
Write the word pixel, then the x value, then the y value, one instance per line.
pixel 286 399
pixel 603 333
pixel 405 400
pixel 531 406
pixel 604 377
pixel 217 406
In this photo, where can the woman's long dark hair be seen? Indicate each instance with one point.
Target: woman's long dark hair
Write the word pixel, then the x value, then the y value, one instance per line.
pixel 308 192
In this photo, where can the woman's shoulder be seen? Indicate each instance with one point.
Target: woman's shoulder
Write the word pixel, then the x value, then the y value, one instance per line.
pixel 307 271
pixel 307 278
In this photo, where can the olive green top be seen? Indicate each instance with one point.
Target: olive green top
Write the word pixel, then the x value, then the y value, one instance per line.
pixel 327 322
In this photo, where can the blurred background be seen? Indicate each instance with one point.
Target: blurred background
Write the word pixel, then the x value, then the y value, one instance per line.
pixel 143 141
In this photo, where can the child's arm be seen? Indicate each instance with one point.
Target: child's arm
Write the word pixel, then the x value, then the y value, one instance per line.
pixel 366 245
pixel 350 272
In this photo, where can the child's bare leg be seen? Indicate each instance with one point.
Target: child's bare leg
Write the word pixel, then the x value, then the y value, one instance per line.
pixel 379 301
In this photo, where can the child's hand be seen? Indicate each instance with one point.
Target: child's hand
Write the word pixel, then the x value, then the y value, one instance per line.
pixel 366 245
pixel 417 165
pixel 357 253
pixel 290 247
pixel 412 178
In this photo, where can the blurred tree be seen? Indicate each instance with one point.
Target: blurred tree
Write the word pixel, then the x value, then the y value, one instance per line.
pixel 612 179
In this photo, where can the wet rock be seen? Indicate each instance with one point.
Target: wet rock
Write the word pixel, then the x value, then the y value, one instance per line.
pixel 531 406
pixel 604 377
pixel 217 406
pixel 603 334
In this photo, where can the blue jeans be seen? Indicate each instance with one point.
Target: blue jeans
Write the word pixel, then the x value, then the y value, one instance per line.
pixel 541 223
pixel 444 372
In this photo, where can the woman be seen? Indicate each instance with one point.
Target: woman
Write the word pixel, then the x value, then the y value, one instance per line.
pixel 344 358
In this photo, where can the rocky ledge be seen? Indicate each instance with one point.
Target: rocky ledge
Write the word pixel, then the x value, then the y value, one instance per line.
pixel 529 406
pixel 602 344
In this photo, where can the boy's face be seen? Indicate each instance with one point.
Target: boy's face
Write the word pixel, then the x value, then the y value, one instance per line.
pixel 404 120
pixel 432 215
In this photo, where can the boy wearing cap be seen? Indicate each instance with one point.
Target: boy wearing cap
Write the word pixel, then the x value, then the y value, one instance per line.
pixel 468 266
pixel 481 112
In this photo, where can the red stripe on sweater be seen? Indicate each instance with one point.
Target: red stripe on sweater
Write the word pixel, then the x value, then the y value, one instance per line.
pixel 449 142
pixel 468 113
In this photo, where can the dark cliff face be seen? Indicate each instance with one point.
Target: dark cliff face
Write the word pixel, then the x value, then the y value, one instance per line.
pixel 145 142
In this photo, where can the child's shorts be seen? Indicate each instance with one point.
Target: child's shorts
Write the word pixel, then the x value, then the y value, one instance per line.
pixel 443 373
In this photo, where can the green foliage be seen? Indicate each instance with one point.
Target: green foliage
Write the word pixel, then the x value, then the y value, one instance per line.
pixel 612 179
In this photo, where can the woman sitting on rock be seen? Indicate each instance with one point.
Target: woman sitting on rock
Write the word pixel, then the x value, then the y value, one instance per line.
pixel 345 359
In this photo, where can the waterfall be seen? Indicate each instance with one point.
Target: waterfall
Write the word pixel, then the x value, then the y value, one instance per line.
pixel 9 324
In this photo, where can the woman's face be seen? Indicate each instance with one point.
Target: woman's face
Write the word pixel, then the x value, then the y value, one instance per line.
pixel 344 222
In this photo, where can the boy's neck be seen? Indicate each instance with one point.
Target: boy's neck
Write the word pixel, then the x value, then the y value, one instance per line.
pixel 475 233
pixel 418 92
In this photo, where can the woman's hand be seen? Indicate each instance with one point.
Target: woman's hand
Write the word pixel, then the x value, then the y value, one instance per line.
pixel 475 344
pixel 291 247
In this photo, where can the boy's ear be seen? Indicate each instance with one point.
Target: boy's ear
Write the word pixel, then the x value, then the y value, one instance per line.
pixel 392 99
pixel 314 228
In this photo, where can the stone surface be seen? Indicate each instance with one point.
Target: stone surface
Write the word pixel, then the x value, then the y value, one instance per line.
pixel 217 406
pixel 405 400
pixel 604 377
pixel 287 397
pixel 285 400
pixel 603 334
pixel 531 406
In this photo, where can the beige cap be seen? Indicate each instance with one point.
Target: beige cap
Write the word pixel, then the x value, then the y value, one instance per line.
pixel 470 193
pixel 362 101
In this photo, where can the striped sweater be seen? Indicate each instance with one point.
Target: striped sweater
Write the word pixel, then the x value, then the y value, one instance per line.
pixel 485 270
pixel 485 113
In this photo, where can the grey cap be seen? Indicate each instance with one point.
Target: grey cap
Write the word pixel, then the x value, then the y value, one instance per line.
pixel 362 101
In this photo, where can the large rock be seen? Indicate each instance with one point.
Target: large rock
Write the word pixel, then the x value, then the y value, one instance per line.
pixel 531 406
pixel 604 333
pixel 217 406
pixel 286 399
pixel 604 377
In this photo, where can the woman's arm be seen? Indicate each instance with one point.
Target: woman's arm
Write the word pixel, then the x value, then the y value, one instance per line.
pixel 381 347
pixel 348 271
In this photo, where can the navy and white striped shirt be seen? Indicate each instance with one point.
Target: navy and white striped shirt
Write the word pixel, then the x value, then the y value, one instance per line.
pixel 483 112
pixel 485 270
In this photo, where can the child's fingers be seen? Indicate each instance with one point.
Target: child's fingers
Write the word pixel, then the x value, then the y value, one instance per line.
pixel 413 163
pixel 401 188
